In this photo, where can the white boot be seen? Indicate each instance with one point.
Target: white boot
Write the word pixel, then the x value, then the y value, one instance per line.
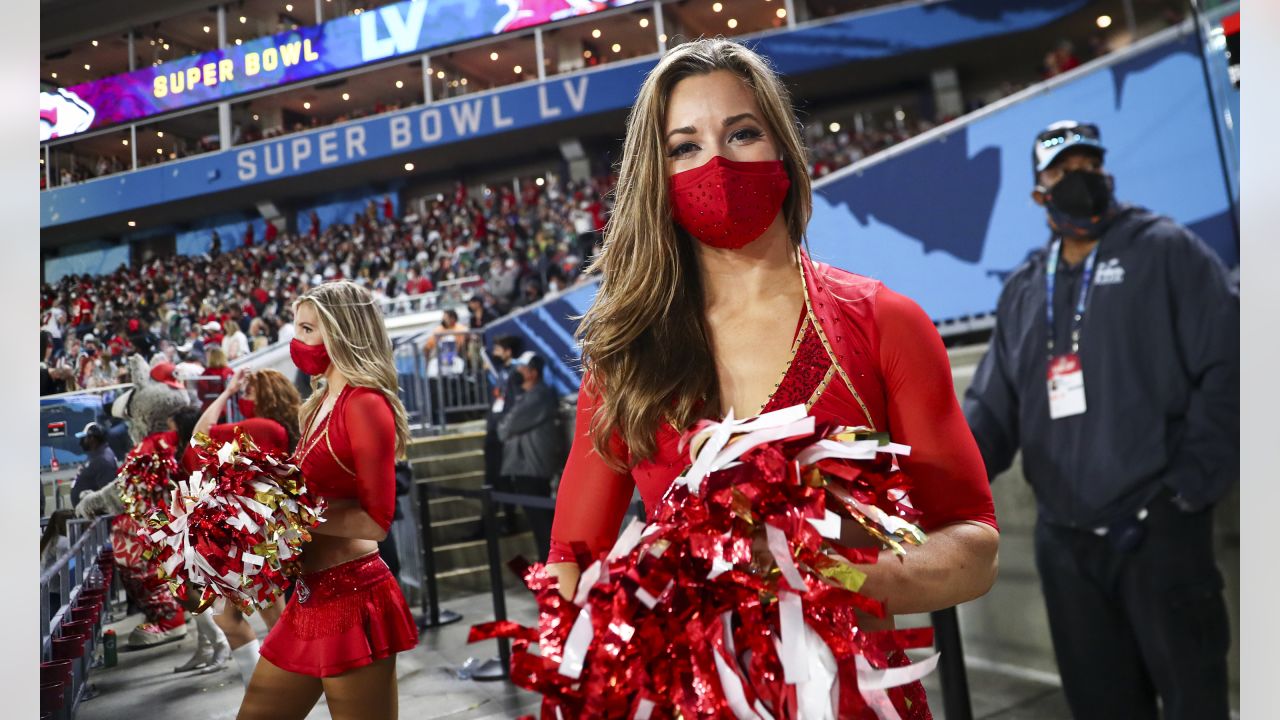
pixel 219 647
pixel 204 644
pixel 246 660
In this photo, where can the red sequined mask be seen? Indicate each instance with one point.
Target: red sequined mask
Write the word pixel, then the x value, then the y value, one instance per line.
pixel 727 204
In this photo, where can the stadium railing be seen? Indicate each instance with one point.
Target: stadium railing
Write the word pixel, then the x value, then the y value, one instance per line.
pixel 450 292
pixel 75 595
pixel 449 383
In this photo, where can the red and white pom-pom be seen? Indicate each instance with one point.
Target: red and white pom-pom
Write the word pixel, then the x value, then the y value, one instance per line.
pixel 146 483
pixel 736 600
pixel 235 527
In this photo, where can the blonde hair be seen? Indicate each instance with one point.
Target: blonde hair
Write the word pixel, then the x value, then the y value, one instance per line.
pixel 650 301
pixel 215 357
pixel 356 339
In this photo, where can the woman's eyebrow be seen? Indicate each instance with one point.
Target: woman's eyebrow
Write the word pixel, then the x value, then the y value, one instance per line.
pixel 689 130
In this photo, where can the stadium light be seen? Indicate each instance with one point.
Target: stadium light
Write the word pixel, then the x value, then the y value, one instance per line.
pixel 493 56
pixel 206 29
pixel 255 117
pixel 733 23
pixel 306 105
pixel 288 8
pixel 518 69
pixel 55 76
pixel 124 141
pixel 159 133
pixel 159 151
pixel 596 33
pixel 95 43
pixel 243 19
pixel 616 48
pixel 86 66
pixel 166 46
pixel 782 12
pixel 399 84
pixel 1104 21
pixel 644 22
pixel 717 7
pixel 539 182
pixel 440 75
pixel 464 81
pixel 346 96
pixel 586 54
pixel 662 37
pixel 408 167
pixel 237 41
pixel 133 224
pixel 834 127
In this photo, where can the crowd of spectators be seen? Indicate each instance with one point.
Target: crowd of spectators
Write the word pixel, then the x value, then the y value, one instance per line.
pixel 179 308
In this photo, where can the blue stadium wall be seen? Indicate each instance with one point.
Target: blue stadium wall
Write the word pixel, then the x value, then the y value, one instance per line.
pixel 946 216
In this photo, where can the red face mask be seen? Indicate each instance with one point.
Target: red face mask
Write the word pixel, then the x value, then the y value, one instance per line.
pixel 310 359
pixel 727 204
pixel 246 408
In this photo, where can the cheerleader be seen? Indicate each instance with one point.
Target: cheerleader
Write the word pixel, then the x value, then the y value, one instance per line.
pixel 347 618
pixel 709 303
pixel 268 403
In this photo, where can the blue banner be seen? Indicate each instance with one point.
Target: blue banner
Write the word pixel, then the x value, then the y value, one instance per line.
pixel 400 29
pixel 945 221
pixel 900 28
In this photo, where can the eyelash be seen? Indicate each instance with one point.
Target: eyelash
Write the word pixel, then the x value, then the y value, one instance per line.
pixel 751 134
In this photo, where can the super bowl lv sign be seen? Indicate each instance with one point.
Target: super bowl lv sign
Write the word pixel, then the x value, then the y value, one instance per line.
pixel 395 30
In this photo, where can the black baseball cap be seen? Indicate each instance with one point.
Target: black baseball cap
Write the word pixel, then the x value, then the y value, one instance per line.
pixel 1061 136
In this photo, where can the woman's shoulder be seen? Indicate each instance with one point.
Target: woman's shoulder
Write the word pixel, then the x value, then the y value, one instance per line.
pixel 845 286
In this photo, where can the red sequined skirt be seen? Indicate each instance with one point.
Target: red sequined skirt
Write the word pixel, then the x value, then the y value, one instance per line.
pixel 340 619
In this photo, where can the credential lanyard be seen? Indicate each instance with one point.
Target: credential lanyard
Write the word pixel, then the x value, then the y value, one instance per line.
pixel 1050 276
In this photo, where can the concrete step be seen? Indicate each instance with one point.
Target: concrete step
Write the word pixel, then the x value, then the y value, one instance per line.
pixel 453 463
pixel 472 576
pixel 444 444
pixel 448 532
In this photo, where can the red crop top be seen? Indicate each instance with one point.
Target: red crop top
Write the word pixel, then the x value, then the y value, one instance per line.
pixel 267 434
pixel 863 355
pixel 352 453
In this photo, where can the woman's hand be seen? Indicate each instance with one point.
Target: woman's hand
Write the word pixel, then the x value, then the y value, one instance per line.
pixel 567 573
pixel 237 381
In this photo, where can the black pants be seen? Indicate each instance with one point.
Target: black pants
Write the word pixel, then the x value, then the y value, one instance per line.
pixel 539 518
pixel 494 478
pixel 1128 626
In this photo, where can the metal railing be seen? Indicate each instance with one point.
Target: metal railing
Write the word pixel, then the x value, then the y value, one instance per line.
pixel 70 626
pixel 447 383
pixel 449 293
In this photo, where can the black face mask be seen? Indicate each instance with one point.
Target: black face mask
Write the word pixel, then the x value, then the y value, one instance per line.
pixel 1081 204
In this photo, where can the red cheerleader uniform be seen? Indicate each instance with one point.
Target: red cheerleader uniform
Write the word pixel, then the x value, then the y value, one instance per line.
pixel 862 355
pixel 347 616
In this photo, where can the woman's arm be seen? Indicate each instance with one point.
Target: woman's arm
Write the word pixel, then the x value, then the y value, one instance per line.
pixel 955 565
pixel 371 430
pixel 214 411
pixel 591 500
pixel 344 517
pixel 948 478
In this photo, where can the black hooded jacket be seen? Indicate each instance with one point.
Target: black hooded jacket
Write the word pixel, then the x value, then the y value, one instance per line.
pixel 1160 345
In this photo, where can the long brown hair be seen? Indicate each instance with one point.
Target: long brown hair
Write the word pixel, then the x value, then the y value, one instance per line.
pixel 356 339
pixel 276 398
pixel 644 339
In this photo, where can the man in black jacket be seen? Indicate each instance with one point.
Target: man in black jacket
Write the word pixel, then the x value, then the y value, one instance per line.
pixel 1123 395
pixel 531 444
pixel 100 462
pixel 506 388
